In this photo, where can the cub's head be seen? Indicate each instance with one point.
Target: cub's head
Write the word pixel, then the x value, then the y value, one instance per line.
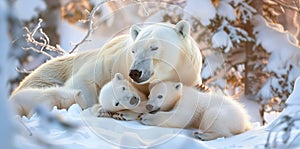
pixel 125 96
pixel 163 96
pixel 157 49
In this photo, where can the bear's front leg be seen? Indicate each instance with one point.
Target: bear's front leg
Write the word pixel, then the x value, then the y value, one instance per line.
pixel 98 111
pixel 163 119
pixel 153 119
pixel 206 136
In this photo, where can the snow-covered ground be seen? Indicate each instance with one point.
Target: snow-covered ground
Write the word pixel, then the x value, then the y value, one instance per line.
pixel 94 132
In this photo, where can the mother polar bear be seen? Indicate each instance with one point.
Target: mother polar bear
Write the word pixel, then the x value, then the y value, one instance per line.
pixel 160 51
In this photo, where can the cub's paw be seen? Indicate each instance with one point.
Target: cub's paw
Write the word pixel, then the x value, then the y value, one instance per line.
pixel 148 119
pixel 97 111
pixel 118 116
pixel 125 115
pixel 206 136
pixel 199 135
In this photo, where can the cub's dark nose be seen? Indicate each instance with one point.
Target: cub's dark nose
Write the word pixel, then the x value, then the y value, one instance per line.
pixel 134 100
pixel 149 107
pixel 135 75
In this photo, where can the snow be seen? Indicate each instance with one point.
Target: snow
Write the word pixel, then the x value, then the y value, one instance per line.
pixel 94 132
pixel 27 9
pixel 226 10
pixel 281 44
pixel 212 62
pixel 264 92
pixel 292 102
pixel 203 9
pixel 221 39
pixel 284 52
pixel 109 133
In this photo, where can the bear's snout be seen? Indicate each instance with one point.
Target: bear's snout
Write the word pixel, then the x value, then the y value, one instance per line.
pixel 134 100
pixel 135 75
pixel 149 107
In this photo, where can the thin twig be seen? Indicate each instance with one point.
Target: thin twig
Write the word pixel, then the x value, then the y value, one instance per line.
pixel 24 126
pixel 23 71
pixel 289 121
pixel 38 51
pixel 91 25
pixel 45 44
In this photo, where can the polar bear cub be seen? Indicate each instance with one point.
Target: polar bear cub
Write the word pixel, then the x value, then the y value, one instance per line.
pixel 120 96
pixel 184 107
pixel 25 100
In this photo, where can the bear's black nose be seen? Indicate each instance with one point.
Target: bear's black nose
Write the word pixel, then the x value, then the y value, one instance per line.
pixel 149 107
pixel 135 75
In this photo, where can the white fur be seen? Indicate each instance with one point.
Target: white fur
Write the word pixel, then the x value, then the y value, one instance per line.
pixel 24 101
pixel 115 96
pixel 119 90
pixel 161 52
pixel 185 107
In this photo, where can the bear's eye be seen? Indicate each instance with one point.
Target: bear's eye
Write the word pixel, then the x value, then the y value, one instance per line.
pixel 153 48
pixel 159 96
pixel 123 88
pixel 132 51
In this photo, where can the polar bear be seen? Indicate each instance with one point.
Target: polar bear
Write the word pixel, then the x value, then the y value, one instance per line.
pixel 120 99
pixel 24 101
pixel 185 107
pixel 158 51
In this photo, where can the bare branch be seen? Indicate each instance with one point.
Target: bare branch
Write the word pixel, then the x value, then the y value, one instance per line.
pixel 45 44
pixel 91 25
pixel 90 21
pixel 23 70
pixel 38 51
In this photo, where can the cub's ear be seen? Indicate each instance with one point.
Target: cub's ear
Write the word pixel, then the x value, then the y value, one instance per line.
pixel 183 28
pixel 78 93
pixel 178 86
pixel 119 76
pixel 134 31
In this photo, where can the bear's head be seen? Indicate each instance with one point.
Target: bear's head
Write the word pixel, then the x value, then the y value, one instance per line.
pixel 159 50
pixel 125 95
pixel 164 96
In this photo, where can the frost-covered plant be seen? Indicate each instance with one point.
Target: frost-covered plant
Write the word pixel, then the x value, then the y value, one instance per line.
pixel 227 24
pixel 282 131
pixel 241 55
pixel 225 58
pixel 43 42
pixel 283 65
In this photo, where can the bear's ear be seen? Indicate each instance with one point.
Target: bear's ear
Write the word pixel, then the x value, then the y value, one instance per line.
pixel 153 83
pixel 119 76
pixel 183 28
pixel 134 31
pixel 178 86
